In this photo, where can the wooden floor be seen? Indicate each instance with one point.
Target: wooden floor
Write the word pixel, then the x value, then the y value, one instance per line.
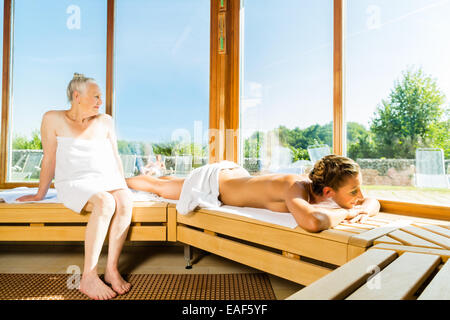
pixel 136 258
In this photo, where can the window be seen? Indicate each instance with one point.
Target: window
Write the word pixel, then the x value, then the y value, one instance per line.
pixel 397 90
pixel 51 41
pixel 162 85
pixel 286 95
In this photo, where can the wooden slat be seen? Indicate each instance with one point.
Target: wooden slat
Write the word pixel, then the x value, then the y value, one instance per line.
pixel 444 254
pixel 416 210
pixel 345 279
pixel 428 236
pixel 72 233
pixel 386 239
pixel 294 270
pixel 436 229
pixel 395 217
pixel 412 240
pixel 366 239
pixel 439 287
pixel 373 223
pixel 400 279
pixel 381 220
pixel 171 224
pixel 75 233
pixel 147 233
pixel 269 235
pixel 357 225
pixel 348 229
pixel 57 213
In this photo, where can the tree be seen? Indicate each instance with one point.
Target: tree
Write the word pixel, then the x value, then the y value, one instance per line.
pixel 409 118
pixel 22 142
pixel 360 141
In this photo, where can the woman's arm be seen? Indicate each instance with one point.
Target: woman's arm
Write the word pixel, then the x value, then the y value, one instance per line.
pixel 312 218
pixel 113 139
pixel 49 144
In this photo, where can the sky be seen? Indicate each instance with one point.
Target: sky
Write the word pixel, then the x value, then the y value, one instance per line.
pixel 162 60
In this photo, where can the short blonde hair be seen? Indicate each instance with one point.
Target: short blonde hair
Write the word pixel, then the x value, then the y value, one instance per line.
pixel 78 83
pixel 332 171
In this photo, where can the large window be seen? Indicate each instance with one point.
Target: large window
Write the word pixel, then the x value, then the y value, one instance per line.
pixel 286 95
pixel 162 85
pixel 51 41
pixel 397 91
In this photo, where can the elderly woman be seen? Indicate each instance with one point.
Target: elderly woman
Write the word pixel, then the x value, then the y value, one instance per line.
pixel 330 195
pixel 80 152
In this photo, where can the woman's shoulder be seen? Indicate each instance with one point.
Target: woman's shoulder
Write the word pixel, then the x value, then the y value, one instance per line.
pixel 53 113
pixel 104 117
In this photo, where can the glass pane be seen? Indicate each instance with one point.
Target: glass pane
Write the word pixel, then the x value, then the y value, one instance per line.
pixel 286 101
pixel 162 85
pixel 397 90
pixel 51 41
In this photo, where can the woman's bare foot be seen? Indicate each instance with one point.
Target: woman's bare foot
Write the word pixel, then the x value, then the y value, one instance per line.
pixel 94 288
pixel 119 285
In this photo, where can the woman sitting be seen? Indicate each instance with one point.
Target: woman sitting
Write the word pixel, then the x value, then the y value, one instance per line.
pixel 80 151
pixel 330 195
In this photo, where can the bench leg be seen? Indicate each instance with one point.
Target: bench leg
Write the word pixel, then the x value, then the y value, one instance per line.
pixel 188 256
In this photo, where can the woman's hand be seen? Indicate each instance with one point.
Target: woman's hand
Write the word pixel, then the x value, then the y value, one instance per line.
pixel 29 197
pixel 357 214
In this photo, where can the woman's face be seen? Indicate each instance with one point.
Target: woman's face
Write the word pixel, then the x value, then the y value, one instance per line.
pixel 350 193
pixel 90 100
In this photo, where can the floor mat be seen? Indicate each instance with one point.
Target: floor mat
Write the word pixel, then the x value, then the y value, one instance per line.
pixel 242 286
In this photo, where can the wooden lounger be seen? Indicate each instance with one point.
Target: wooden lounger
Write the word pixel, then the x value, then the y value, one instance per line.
pixel 296 254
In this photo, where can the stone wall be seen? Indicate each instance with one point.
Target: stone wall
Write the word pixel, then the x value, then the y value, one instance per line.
pixel 390 172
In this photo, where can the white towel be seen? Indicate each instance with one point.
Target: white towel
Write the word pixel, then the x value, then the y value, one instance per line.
pixel 10 196
pixel 284 219
pixel 201 187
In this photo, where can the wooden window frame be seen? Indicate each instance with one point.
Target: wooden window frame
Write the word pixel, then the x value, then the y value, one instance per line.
pixel 224 94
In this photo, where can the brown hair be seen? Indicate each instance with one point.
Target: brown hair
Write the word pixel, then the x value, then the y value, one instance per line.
pixel 332 171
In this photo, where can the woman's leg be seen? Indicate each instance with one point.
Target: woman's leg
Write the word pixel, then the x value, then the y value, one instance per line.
pixel 103 207
pixel 120 224
pixel 163 187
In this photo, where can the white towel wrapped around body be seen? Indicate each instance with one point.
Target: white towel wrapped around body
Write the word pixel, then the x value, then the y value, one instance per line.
pixel 83 168
pixel 201 187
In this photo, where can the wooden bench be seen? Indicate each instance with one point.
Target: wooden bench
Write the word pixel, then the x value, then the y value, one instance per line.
pixel 54 222
pixel 386 273
pixel 293 254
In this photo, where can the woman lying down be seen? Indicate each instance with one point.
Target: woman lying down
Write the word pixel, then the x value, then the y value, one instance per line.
pixel 330 195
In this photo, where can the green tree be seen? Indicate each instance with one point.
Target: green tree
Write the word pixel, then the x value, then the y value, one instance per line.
pixel 360 141
pixel 21 142
pixel 409 118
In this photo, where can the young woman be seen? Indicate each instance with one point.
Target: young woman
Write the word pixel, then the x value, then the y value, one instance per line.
pixel 330 195
pixel 80 152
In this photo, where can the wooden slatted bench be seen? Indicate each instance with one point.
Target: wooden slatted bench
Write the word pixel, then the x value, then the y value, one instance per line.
pixel 296 254
pixel 54 222
pixel 386 272
pixel 293 254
